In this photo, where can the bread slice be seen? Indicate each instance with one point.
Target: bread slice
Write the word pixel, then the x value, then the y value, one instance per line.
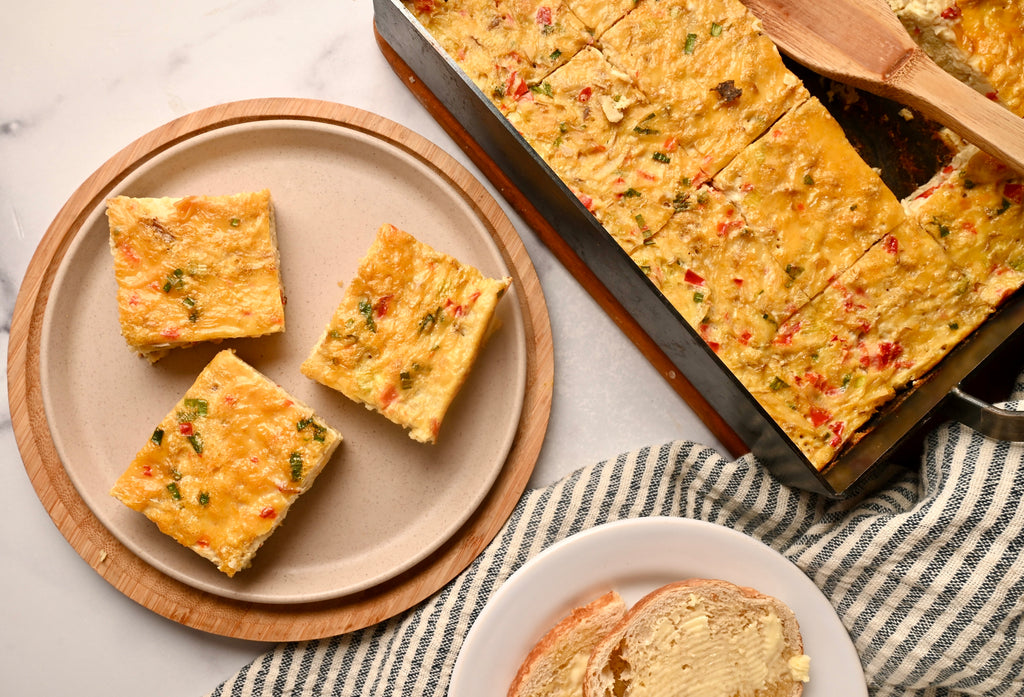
pixel 223 468
pixel 701 637
pixel 198 268
pixel 554 668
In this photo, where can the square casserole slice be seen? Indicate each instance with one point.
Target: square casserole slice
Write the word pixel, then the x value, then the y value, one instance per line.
pixel 222 469
pixel 199 268
pixel 407 332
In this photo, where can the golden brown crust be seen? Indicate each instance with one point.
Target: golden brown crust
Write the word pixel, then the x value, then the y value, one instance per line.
pixel 573 637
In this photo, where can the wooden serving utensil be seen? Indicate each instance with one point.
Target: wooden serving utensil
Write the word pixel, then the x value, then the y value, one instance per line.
pixel 862 43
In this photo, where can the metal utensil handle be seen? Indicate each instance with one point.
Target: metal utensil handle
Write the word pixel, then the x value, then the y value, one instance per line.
pixel 1001 424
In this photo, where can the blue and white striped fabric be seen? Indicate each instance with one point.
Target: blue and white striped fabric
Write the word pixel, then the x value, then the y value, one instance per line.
pixel 926 571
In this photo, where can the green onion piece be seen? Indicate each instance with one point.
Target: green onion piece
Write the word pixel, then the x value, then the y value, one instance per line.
pixel 631 193
pixel 716 29
pixel 943 230
pixel 204 498
pixel 428 321
pixel 808 180
pixel 691 43
pixel 366 310
pixel 406 379
pixel 954 326
pixel 175 492
pixel 792 270
pixel 295 460
pixel 698 297
pixel 196 440
pixel 234 222
pixel 556 54
pixel 661 157
pixel 200 406
pixel 158 436
pixel 777 384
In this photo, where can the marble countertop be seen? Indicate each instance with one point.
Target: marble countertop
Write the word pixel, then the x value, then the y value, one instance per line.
pixel 82 80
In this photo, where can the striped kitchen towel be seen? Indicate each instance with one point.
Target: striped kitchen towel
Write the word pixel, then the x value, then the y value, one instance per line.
pixel 926 571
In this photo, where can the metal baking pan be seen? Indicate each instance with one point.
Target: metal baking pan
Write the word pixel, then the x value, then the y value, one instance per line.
pixel 906 160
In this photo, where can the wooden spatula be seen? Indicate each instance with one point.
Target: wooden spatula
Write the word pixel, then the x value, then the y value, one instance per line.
pixel 862 43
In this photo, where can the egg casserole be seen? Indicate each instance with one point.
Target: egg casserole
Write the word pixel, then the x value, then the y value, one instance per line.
pixel 741 198
pixel 198 268
pixel 407 332
pixel 220 472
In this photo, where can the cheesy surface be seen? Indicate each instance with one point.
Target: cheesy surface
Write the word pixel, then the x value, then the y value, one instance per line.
pixel 711 70
pixel 719 274
pixel 804 189
pixel 596 130
pixel 975 211
pixel 877 327
pixel 504 46
pixel 598 15
pixel 192 269
pixel 407 332
pixel 222 469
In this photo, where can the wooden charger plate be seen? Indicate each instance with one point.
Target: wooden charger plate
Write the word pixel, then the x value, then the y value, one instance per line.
pixel 183 600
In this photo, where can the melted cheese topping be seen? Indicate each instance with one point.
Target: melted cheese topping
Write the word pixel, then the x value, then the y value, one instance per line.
pixel 599 134
pixel 880 325
pixel 722 81
pixel 719 274
pixel 807 192
pixel 407 332
pixel 992 33
pixel 504 46
pixel 194 269
pixel 222 469
pixel 976 213
pixel 598 15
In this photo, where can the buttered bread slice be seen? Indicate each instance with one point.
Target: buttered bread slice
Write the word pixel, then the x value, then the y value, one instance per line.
pixel 701 637
pixel 555 666
pixel 223 468
pixel 199 268
pixel 407 332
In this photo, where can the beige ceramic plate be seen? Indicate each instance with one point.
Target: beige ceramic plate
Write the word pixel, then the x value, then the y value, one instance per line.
pixel 384 502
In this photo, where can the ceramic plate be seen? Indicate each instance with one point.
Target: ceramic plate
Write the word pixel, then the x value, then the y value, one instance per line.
pixel 634 557
pixel 384 502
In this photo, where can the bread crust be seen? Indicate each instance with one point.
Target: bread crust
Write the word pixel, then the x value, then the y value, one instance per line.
pixel 573 636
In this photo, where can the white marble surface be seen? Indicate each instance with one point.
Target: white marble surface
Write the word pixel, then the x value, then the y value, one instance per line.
pixel 79 81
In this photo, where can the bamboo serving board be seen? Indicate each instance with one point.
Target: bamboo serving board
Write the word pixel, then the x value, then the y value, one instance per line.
pixel 565 254
pixel 214 613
